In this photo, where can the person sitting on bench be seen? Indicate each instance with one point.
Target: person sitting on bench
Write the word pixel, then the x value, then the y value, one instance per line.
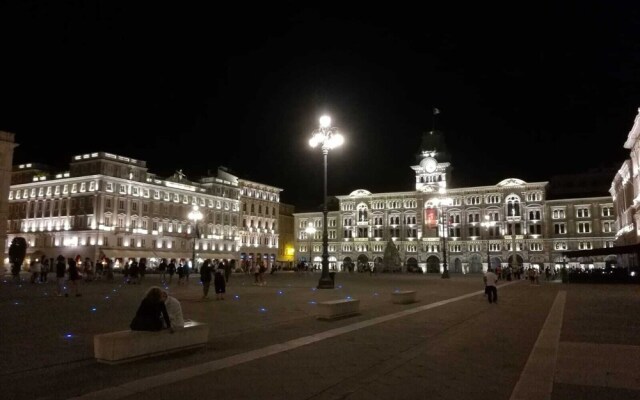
pixel 151 308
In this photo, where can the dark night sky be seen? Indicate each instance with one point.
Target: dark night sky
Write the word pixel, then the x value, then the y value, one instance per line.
pixel 528 92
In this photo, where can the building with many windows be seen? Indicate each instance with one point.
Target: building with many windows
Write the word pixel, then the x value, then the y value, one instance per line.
pixel 512 223
pixel 625 191
pixel 260 223
pixel 286 236
pixel 108 205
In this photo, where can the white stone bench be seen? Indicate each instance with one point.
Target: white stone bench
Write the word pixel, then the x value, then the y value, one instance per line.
pixel 124 346
pixel 338 308
pixel 403 296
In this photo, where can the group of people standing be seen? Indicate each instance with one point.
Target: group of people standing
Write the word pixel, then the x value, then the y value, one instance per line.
pixel 216 271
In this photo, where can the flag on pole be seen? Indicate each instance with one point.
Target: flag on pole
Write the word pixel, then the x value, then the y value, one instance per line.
pixel 436 111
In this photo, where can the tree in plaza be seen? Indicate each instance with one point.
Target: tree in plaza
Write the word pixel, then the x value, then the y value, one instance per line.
pixel 17 252
pixel 391 261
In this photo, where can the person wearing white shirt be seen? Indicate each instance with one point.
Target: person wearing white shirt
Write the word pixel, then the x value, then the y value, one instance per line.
pixel 174 309
pixel 490 281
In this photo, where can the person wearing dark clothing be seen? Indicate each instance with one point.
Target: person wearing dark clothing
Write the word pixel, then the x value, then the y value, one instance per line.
pixel 61 268
pixel 134 271
pixel 171 269
pixel 142 268
pixel 151 308
pixel 219 283
pixel 205 277
pixel 74 276
pixel 162 268
pixel 228 268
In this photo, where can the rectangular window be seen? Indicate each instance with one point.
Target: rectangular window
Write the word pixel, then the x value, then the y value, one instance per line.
pixel 535 229
pixel 559 229
pixel 584 227
pixel 582 213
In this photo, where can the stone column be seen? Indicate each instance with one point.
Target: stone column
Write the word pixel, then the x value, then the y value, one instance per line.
pixel 7 145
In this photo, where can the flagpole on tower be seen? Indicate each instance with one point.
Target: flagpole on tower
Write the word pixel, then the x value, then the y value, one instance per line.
pixel 435 112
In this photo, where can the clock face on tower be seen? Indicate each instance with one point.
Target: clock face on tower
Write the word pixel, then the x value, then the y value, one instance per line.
pixel 429 164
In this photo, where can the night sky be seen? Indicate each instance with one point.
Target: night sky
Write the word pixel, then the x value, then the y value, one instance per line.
pixel 526 91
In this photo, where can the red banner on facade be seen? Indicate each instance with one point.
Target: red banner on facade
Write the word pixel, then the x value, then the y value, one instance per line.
pixel 431 217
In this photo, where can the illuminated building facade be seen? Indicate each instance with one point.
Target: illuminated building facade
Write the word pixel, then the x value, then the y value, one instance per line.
pixel 625 191
pixel 531 228
pixel 108 205
pixel 259 233
pixel 286 236
pixel 7 145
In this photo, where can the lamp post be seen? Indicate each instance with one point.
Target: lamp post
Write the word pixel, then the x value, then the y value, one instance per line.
pixel 443 202
pixel 310 230
pixel 195 215
pixel 513 237
pixel 488 224
pixel 327 137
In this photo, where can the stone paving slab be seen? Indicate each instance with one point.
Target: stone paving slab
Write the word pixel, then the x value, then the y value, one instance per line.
pixel 447 352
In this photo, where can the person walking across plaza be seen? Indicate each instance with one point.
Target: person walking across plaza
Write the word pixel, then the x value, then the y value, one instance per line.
pixel 171 269
pixel 162 268
pixel 35 268
pixel 491 281
pixel 74 277
pixel 218 281
pixel 205 277
pixel 61 269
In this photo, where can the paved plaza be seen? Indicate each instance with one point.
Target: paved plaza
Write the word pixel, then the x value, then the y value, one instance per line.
pixel 547 341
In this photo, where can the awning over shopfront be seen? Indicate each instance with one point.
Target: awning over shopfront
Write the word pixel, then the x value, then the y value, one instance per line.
pixel 132 253
pixel 214 256
pixel 605 251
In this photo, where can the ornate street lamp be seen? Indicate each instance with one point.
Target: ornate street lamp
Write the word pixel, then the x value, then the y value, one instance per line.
pixel 443 202
pixel 327 137
pixel 310 230
pixel 195 215
pixel 488 224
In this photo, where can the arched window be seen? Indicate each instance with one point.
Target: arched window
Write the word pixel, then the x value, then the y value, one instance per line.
pixel 513 206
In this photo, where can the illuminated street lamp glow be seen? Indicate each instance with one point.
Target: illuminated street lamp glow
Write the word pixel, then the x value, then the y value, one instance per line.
pixel 195 215
pixel 488 224
pixel 328 138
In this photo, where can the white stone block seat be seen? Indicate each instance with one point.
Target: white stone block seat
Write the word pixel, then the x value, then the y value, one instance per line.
pixel 124 346
pixel 403 296
pixel 338 308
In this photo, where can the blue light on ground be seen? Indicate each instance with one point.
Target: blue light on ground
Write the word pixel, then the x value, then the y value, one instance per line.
pixel 312 302
pixel 94 309
pixel 114 290
pixel 68 336
pixel 314 289
pixel 262 309
pixel 339 286
pixel 236 297
pixel 348 297
pixel 16 303
pixel 280 292
pixel 106 297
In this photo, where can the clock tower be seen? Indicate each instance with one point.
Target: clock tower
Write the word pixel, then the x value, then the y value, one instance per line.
pixel 432 171
pixel 431 175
